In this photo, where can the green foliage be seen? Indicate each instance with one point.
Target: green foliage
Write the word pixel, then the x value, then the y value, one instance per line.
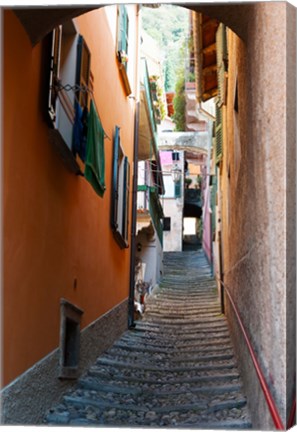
pixel 169 26
pixel 179 104
pixel 157 96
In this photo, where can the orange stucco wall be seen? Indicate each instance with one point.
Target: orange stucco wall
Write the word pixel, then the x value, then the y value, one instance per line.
pixel 56 229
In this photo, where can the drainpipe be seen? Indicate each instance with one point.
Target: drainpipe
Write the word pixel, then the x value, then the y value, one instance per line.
pixel 133 223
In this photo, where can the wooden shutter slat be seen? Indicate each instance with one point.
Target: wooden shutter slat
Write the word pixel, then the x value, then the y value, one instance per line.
pixel 83 70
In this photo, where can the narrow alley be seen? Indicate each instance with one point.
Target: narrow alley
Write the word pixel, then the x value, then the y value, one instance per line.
pixel 175 368
pixel 149 215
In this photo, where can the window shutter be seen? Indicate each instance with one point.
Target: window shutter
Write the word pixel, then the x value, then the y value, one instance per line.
pixel 222 62
pixel 83 71
pixel 222 66
pixel 115 197
pixel 219 133
pixel 177 189
pixel 123 29
pixel 126 199
pixel 54 71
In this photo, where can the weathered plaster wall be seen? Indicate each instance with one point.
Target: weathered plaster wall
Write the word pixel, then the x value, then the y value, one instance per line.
pixel 173 239
pixel 291 204
pixel 255 207
pixel 151 254
pixel 57 240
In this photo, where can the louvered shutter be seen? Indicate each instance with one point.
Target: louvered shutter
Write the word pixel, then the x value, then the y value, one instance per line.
pixel 83 72
pixel 219 133
pixel 114 192
pixel 126 199
pixel 54 71
pixel 222 62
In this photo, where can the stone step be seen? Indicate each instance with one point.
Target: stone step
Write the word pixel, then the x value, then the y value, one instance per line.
pixel 212 388
pixel 171 346
pixel 189 334
pixel 159 407
pixel 196 334
pixel 87 411
pixel 160 320
pixel 165 367
pixel 178 310
pixel 178 315
pixel 153 400
pixel 168 328
pixel 185 294
pixel 189 322
pixel 178 341
pixel 152 378
pixel 121 353
pixel 191 350
pixel 195 303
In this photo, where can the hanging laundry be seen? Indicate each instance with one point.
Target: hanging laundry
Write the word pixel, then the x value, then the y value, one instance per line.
pixel 95 160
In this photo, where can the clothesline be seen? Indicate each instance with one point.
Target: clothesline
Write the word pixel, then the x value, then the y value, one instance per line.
pixel 75 88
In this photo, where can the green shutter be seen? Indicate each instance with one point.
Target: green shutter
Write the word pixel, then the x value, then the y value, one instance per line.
pixel 219 133
pixel 114 192
pixel 126 199
pixel 177 189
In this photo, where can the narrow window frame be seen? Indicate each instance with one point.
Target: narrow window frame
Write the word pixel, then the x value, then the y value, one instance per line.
pixel 70 317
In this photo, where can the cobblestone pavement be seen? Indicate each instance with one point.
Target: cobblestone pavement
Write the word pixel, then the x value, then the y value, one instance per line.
pixel 175 369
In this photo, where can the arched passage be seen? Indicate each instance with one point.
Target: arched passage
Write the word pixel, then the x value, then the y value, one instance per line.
pixel 37 24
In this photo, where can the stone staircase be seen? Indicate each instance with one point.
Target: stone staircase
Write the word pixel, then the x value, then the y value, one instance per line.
pixel 175 369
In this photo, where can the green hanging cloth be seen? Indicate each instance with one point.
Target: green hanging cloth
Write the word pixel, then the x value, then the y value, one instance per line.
pixel 95 162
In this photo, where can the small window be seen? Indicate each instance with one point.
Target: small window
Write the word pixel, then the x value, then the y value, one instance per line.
pixel 69 339
pixel 166 224
pixel 122 47
pixel 123 34
pixel 175 156
pixel 120 193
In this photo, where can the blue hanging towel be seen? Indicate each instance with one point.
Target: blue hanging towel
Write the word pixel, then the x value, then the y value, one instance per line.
pixel 80 131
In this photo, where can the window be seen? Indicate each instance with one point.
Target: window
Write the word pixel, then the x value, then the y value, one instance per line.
pixel 69 68
pixel 166 224
pixel 69 339
pixel 120 193
pixel 123 33
pixel 123 46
